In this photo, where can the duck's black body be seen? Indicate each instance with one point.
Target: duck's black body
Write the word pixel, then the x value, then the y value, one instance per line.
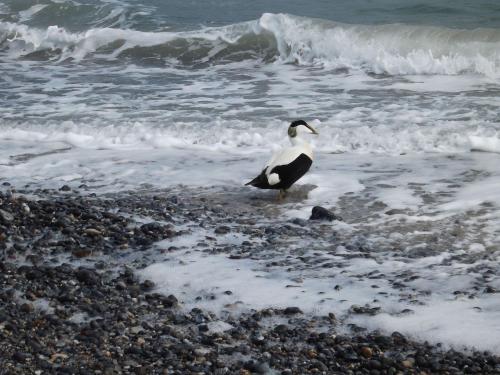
pixel 288 174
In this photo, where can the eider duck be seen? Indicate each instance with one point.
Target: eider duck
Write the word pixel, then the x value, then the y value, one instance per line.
pixel 288 164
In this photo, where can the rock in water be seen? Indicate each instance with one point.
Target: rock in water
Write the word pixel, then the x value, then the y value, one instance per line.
pixel 88 276
pixel 292 310
pixel 6 216
pixel 321 213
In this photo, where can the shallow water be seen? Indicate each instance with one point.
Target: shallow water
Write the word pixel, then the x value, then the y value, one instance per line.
pixel 419 247
pixel 118 95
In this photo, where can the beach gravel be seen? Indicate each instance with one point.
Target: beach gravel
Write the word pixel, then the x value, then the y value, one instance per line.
pixel 69 306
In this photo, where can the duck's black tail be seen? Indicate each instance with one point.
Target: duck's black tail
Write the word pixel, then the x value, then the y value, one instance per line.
pixel 260 181
pixel 255 182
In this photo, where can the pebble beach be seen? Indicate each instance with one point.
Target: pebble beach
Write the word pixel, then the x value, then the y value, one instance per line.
pixel 73 300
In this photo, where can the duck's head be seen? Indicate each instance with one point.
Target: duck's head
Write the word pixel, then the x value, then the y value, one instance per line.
pixel 298 127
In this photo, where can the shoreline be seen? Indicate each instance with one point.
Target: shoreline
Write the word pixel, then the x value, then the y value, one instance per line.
pixel 71 300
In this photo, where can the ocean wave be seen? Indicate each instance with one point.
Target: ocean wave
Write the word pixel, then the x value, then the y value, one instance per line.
pixel 393 49
pixel 235 137
pixel 22 41
pixel 74 15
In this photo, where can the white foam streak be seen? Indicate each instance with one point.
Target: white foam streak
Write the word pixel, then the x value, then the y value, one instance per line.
pixel 242 137
pixel 26 15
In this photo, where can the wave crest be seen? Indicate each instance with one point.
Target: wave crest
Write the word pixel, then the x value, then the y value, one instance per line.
pixel 393 49
pixel 385 49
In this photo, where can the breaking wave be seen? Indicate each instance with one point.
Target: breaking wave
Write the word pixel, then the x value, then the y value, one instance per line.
pixel 393 49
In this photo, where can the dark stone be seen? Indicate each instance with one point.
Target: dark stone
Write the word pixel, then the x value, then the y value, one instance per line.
pixel 20 357
pixel 203 328
pixel 34 274
pixel 152 227
pixel 257 367
pixel 6 217
pixel 321 213
pixel 398 338
pixel 395 211
pixel 257 339
pixel 292 311
pixel 120 285
pixel 281 329
pixel 223 229
pixel 65 188
pixel 374 364
pixel 87 276
pixel 170 301
pixel 26 308
pixel 365 310
pixel 82 253
pixel 147 285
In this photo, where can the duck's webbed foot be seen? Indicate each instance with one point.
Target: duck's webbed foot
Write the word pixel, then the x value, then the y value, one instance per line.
pixel 282 195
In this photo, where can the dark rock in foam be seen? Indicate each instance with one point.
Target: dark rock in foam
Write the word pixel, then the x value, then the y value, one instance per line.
pixel 6 216
pixel 321 213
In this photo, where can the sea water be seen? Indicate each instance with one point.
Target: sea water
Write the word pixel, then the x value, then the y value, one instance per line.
pixel 405 95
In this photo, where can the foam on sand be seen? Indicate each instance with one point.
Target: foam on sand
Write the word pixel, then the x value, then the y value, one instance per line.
pixel 200 281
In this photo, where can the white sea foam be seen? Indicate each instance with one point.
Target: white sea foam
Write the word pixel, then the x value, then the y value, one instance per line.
pixel 338 134
pixel 461 323
pixel 456 321
pixel 483 143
